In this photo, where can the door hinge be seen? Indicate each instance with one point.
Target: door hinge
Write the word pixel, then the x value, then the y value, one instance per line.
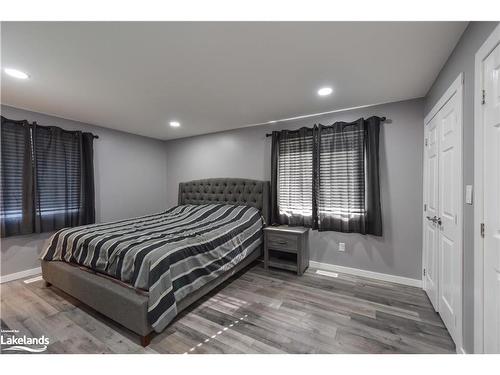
pixel 426 142
pixel 425 207
pixel 424 271
pixel 484 97
pixel 482 230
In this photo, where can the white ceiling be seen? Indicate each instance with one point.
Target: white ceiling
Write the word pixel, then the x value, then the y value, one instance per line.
pixel 138 76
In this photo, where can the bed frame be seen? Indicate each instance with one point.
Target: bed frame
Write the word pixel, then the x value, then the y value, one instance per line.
pixel 128 306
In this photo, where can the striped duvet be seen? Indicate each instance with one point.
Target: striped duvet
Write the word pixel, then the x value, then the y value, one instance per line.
pixel 170 254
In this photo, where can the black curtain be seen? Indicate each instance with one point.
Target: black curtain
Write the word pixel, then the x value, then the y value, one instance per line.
pixel 373 206
pixel 64 178
pixel 274 177
pixel 58 179
pixel 345 177
pixel 16 206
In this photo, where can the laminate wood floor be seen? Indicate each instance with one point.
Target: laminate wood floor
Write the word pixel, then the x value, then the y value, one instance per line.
pixel 257 311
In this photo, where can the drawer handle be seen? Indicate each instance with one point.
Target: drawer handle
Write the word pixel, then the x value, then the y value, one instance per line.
pixel 280 242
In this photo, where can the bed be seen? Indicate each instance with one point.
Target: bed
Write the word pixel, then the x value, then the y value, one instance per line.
pixel 142 272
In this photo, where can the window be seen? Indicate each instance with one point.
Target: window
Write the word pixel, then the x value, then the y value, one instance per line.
pixel 47 178
pixel 341 175
pixel 326 177
pixel 295 176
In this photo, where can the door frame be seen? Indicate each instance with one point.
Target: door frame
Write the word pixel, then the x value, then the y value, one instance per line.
pixel 483 52
pixel 455 88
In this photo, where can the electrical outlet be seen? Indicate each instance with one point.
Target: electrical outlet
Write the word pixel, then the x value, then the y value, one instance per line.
pixel 341 246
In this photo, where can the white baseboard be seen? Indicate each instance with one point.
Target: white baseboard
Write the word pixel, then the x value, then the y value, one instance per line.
pixel 20 275
pixel 369 274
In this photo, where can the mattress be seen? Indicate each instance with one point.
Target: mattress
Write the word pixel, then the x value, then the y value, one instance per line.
pixel 169 255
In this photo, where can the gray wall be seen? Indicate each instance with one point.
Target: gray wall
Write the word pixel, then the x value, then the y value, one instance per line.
pixel 130 180
pixel 246 153
pixel 462 60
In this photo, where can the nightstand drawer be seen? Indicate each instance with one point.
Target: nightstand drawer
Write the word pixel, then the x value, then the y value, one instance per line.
pixel 284 242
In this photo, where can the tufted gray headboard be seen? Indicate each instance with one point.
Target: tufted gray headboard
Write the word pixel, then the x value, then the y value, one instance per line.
pixel 227 190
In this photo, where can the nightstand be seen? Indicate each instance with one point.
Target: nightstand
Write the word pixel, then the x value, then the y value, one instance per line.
pixel 286 248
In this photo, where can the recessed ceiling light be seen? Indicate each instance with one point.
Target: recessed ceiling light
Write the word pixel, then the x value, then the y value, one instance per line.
pixel 16 73
pixel 175 124
pixel 324 91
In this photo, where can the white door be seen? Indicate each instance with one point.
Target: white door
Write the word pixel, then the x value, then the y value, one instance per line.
pixel 450 201
pixel 442 222
pixel 431 229
pixel 491 116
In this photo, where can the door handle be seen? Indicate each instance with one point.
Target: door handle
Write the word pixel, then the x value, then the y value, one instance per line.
pixel 438 221
pixel 433 219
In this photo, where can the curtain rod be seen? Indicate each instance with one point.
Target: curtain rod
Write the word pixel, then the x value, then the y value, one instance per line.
pixel 44 126
pixel 382 119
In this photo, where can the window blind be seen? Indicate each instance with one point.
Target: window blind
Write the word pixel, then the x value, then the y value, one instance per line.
pixel 341 174
pixel 295 176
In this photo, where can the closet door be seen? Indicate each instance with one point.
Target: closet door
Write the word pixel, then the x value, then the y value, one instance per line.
pixel 442 222
pixel 431 230
pixel 450 232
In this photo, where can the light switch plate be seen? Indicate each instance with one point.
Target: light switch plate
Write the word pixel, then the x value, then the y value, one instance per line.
pixel 468 194
pixel 341 246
